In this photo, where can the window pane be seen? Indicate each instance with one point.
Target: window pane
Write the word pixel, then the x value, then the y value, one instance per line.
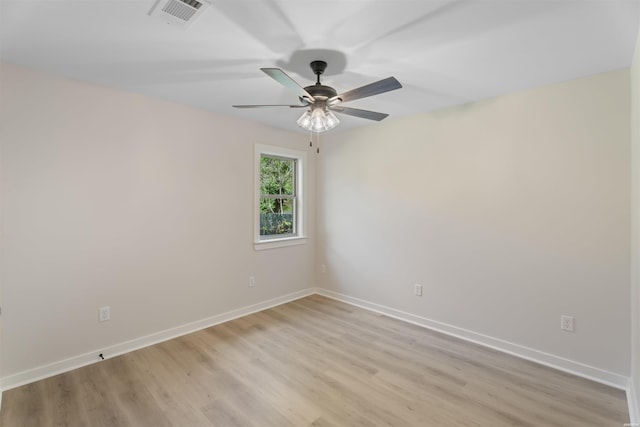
pixel 277 175
pixel 276 216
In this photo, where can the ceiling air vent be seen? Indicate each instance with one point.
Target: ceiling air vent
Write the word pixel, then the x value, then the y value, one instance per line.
pixel 181 13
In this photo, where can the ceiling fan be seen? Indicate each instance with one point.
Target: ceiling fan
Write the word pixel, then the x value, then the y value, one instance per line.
pixel 321 101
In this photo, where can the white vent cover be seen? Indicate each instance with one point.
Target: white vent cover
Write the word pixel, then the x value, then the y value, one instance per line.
pixel 181 13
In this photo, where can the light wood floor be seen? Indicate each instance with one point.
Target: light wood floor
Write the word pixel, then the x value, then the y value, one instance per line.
pixel 314 362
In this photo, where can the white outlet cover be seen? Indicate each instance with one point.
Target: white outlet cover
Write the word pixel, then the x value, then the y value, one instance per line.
pixel 567 323
pixel 104 314
pixel 417 289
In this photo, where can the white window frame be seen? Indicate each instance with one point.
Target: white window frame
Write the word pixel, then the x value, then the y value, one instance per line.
pixel 301 204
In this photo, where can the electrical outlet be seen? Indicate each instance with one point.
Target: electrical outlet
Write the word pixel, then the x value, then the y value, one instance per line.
pixel 567 323
pixel 104 314
pixel 417 289
pixel 252 281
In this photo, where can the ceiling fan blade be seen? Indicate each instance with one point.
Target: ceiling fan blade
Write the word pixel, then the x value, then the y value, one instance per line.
pixel 381 86
pixel 283 78
pixel 364 114
pixel 273 105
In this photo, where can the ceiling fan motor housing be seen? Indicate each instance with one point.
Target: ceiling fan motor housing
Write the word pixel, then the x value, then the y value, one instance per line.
pixel 321 91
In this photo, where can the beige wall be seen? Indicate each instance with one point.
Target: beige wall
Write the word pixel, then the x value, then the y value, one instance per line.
pixel 510 212
pixel 111 198
pixel 635 229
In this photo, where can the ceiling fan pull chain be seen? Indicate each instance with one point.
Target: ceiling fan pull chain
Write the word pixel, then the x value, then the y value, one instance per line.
pixel 310 139
pixel 318 143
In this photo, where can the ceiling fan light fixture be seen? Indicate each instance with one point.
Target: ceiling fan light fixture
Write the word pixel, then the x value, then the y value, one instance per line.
pixel 318 120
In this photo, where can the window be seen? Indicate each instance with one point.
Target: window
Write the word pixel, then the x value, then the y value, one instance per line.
pixel 277 197
pixel 279 215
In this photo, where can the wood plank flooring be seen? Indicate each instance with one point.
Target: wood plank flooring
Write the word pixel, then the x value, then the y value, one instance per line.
pixel 314 362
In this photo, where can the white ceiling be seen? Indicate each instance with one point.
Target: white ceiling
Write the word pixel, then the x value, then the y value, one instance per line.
pixel 444 53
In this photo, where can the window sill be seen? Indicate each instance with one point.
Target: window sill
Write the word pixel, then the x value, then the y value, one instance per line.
pixel 279 243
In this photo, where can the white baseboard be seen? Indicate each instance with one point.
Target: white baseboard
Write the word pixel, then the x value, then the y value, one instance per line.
pixel 41 372
pixel 632 401
pixel 596 374
pixel 573 367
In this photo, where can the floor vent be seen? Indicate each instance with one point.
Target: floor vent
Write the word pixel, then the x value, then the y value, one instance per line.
pixel 180 13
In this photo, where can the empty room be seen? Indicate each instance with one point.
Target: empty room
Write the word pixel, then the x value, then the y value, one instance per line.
pixel 319 213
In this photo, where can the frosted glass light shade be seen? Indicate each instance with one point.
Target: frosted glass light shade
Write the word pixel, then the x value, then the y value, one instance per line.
pixel 305 120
